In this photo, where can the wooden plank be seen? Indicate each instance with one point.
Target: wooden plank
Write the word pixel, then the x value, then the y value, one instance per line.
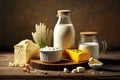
pixel 108 71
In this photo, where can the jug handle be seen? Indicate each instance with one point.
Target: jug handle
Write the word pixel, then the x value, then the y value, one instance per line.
pixel 104 45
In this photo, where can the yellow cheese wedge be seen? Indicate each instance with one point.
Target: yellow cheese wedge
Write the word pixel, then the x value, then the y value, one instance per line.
pixel 24 51
pixel 77 55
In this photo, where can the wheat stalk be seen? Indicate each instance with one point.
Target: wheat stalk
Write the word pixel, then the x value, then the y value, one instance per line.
pixel 43 35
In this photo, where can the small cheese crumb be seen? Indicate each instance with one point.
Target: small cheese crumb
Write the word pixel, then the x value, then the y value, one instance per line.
pixel 10 64
pixel 80 69
pixel 15 65
pixel 74 71
pixel 65 70
pixel 22 65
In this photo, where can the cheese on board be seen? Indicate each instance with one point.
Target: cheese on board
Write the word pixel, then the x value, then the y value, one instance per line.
pixel 77 55
pixel 24 51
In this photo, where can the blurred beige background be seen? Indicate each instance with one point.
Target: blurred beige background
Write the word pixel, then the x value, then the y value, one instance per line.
pixel 18 17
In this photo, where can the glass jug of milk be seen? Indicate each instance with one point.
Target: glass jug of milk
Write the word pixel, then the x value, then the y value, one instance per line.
pixel 90 41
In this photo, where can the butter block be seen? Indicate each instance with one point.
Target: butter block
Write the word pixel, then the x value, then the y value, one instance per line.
pixel 77 55
pixel 24 51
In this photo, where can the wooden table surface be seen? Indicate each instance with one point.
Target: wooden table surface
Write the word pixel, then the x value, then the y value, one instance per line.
pixel 109 71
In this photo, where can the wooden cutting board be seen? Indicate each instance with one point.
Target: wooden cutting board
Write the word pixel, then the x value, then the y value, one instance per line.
pixel 57 66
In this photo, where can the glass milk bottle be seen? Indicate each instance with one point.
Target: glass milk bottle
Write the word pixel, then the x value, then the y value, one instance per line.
pixel 90 41
pixel 64 32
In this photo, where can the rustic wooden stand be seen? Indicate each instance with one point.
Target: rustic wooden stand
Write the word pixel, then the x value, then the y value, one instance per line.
pixel 58 66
